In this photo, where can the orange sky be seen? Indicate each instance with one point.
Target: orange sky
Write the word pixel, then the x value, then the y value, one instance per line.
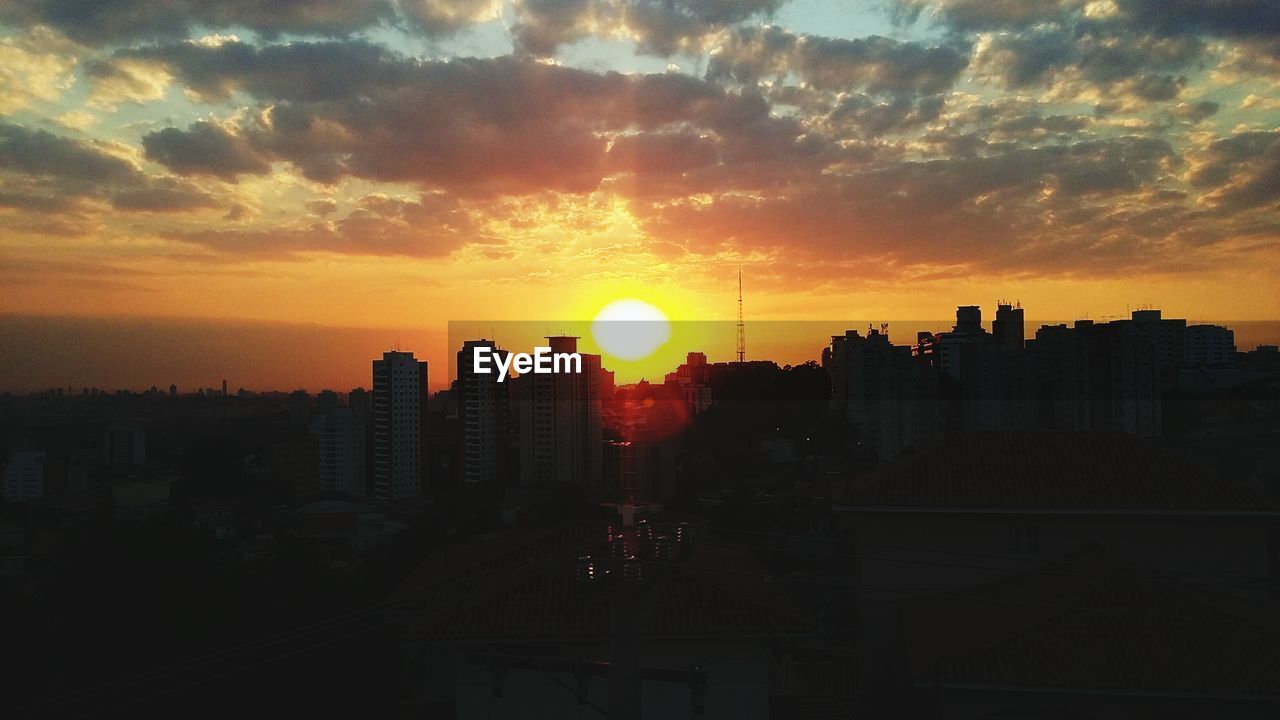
pixel 392 166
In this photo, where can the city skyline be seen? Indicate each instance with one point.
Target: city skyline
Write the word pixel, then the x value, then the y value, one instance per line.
pixel 311 358
pixel 878 160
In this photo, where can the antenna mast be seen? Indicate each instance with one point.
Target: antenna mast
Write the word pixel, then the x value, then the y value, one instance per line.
pixel 742 328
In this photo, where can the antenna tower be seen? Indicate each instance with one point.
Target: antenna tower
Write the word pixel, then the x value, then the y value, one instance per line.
pixel 742 328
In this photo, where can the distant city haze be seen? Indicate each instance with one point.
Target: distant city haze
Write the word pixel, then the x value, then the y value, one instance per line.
pixel 42 352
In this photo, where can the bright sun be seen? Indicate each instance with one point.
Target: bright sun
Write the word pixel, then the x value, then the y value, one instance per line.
pixel 630 329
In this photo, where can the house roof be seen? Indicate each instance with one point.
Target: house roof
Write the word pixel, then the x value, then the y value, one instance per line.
pixel 1051 471
pixel 524 589
pixel 1093 622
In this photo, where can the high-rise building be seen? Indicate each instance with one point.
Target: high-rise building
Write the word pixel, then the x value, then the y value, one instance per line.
pixel 560 422
pixel 1124 377
pixel 1059 363
pixel 968 318
pixel 399 407
pixel 299 409
pixel 1209 345
pixel 341 449
pixel 326 402
pixel 24 476
pixel 1009 328
pixel 124 444
pixel 887 396
pixel 1168 335
pixel 482 414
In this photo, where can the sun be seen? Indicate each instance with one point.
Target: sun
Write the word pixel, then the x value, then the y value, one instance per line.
pixel 630 329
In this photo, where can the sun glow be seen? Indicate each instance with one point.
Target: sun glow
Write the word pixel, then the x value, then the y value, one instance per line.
pixel 630 329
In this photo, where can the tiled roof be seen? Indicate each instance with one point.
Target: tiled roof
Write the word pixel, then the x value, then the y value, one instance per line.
pixel 1093 622
pixel 1052 471
pixel 528 592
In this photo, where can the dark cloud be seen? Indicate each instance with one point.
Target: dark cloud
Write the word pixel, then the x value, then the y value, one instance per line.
pixel 39 153
pixel 204 149
pixel 876 64
pixel 1243 172
pixel 105 22
pixel 659 27
pixel 1011 209
pixel 473 126
pixel 162 196
pixel 1221 18
pixel 432 226
pixel 986 14
pixel 45 173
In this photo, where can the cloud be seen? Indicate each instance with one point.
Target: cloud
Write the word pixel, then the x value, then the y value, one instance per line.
pixel 34 66
pixel 322 206
pixel 877 64
pixel 1032 209
pixel 472 126
pixel 434 225
pixel 117 80
pixel 443 17
pixel 1242 171
pixel 44 173
pixel 107 22
pixel 204 148
pixel 659 27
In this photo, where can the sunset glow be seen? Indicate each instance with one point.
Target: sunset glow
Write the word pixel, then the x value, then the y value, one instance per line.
pixel 388 167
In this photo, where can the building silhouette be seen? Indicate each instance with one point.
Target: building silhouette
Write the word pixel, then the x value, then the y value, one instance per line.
pixel 399 407
pixel 886 395
pixel 342 451
pixel 1209 345
pixel 483 416
pixel 1009 328
pixel 23 476
pixel 560 422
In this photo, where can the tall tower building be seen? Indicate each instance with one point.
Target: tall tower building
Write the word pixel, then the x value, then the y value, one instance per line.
pixel 399 407
pixel 1059 361
pixel 482 414
pixel 968 318
pixel 1124 378
pixel 560 423
pixel 888 397
pixel 342 456
pixel 1009 328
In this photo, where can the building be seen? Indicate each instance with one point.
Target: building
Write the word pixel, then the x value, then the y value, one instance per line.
pixel 887 395
pixel 1008 328
pixel 482 415
pixel 1073 638
pixel 24 476
pixel 299 409
pixel 399 408
pixel 560 430
pixel 595 619
pixel 980 508
pixel 1059 368
pixel 342 451
pixel 1210 345
pixel 1124 376
pixel 968 318
pixel 124 445
pixel 1167 334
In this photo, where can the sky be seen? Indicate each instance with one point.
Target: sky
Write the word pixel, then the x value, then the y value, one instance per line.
pixel 374 169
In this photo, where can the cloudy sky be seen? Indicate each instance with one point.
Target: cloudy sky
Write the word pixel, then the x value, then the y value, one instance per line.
pixel 401 163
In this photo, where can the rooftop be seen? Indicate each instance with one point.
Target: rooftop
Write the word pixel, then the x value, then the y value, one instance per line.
pixel 523 588
pixel 1051 471
pixel 1091 621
